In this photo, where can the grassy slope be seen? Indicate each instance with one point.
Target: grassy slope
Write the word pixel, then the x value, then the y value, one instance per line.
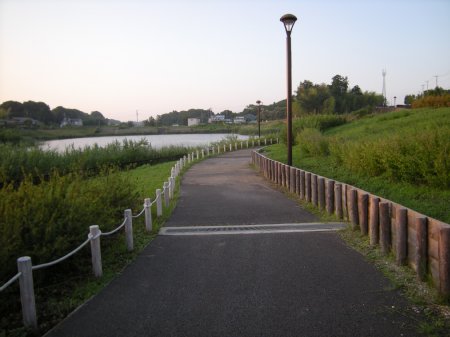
pixel 430 201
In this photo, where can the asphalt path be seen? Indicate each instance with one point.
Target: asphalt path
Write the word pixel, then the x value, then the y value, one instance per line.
pixel 265 284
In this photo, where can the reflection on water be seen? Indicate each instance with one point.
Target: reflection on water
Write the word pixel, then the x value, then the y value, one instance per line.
pixel 157 141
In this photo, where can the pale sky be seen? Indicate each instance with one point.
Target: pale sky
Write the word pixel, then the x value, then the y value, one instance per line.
pixel 156 56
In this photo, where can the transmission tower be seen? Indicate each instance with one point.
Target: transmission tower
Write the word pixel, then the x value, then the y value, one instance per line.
pixel 383 72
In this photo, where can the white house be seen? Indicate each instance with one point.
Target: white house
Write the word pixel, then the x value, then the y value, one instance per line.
pixel 217 119
pixel 71 122
pixel 193 121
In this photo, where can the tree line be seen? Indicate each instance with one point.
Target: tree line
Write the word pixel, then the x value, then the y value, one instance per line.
pixel 310 98
pixel 41 112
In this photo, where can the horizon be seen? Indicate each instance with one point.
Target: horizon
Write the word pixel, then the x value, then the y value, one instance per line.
pixel 120 57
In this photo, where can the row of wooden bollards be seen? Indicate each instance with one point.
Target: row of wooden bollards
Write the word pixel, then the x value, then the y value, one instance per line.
pixel 417 240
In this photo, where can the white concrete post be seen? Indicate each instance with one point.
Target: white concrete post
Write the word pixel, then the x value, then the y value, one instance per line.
pixel 271 141
pixel 166 194
pixel 265 141
pixel 203 153
pixel 148 214
pixel 207 151
pixel 129 229
pixel 231 147
pixel 27 292
pixel 198 155
pixel 213 150
pixel 96 253
pixel 159 211
pixel 170 188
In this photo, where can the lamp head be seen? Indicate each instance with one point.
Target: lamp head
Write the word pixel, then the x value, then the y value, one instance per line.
pixel 288 21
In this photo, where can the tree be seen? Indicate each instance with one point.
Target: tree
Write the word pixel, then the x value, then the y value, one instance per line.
pixel 311 97
pixel 338 89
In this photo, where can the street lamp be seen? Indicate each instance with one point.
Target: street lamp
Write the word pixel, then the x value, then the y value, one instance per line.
pixel 395 98
pixel 259 118
pixel 289 21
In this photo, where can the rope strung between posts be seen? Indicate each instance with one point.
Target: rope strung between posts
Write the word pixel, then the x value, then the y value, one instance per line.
pixel 61 259
pixel 115 230
pixel 11 281
pixel 138 215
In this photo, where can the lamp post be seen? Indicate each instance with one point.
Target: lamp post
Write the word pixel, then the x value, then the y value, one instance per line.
pixel 395 98
pixel 259 118
pixel 289 21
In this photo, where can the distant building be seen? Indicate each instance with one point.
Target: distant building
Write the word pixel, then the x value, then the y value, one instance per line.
pixel 239 120
pixel 112 122
pixel 71 122
pixel 193 121
pixel 24 121
pixel 217 119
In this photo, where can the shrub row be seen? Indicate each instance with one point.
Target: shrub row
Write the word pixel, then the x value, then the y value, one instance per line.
pixel 17 162
pixel 413 156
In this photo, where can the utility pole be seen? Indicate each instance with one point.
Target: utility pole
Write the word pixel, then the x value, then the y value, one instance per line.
pixel 137 116
pixel 436 80
pixel 427 84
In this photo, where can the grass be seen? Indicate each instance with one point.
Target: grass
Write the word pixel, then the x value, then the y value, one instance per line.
pixel 63 293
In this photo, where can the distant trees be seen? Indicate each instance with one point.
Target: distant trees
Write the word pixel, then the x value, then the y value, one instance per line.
pixel 333 98
pixel 437 97
pixel 42 113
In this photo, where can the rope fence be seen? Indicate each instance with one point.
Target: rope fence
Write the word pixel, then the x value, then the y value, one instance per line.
pixel 24 263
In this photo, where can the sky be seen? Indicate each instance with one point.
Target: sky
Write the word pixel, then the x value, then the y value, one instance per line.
pixel 156 56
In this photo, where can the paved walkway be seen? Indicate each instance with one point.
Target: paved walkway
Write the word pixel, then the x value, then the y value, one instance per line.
pixel 249 284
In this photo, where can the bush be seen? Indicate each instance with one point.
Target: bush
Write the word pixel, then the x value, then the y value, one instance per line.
pixel 432 101
pixel 48 220
pixel 312 143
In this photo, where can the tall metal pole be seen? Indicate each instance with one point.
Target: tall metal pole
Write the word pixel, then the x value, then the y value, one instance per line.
pixel 259 118
pixel 289 99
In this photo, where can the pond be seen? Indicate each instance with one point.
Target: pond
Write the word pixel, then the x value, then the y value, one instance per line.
pixel 156 141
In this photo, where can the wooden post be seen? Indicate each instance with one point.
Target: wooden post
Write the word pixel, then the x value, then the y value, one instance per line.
pixel 308 186
pixel 297 182
pixel 27 299
pixel 374 221
pixel 283 175
pixel 148 214
pixel 129 229
pixel 330 196
pixel 96 253
pixel 158 203
pixel 444 262
pixel 385 228
pixel 288 175
pixel 314 196
pixel 401 238
pixel 338 200
pixel 353 208
pixel 422 247
pixel 292 180
pixel 302 185
pixel 363 210
pixel 321 192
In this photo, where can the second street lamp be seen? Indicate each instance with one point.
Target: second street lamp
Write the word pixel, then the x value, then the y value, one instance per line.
pixel 259 118
pixel 289 21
